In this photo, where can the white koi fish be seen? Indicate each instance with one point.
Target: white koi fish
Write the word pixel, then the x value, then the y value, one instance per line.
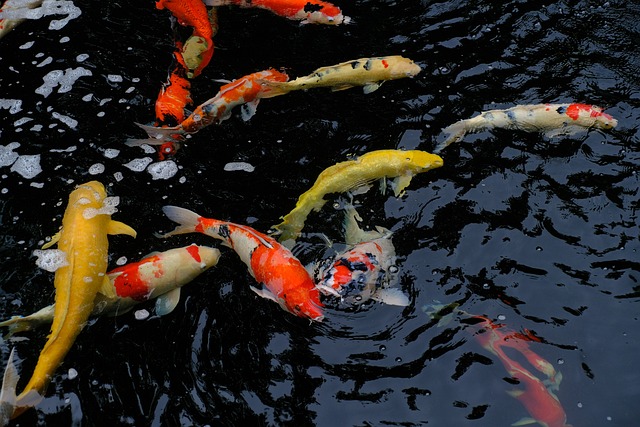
pixel 552 119
pixel 369 73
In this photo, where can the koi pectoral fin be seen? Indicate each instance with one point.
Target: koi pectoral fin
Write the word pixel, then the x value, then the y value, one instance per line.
pixel 264 293
pixel 53 241
pixel 117 227
pixel 391 296
pixel 166 303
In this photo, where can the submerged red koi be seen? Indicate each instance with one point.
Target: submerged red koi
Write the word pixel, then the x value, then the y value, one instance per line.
pixel 543 406
pixel 246 91
pixel 284 278
pixel 314 11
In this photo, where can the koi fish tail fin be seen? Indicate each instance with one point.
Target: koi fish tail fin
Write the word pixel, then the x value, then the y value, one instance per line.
pixel 19 324
pixel 452 133
pixel 187 220
pixel 8 396
pixel 157 136
pixel 353 234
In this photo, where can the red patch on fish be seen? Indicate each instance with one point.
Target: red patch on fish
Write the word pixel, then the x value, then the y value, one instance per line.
pixel 194 251
pixel 129 284
pixel 385 64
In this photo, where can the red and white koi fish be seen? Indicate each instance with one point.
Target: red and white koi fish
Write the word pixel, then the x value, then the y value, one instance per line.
pixel 306 11
pixel 365 270
pixel 284 278
pixel 543 406
pixel 193 13
pixel 245 91
pixel 551 119
pixel 158 276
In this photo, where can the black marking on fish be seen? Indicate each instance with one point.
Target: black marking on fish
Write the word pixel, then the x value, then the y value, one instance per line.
pixel 368 65
pixel 355 64
pixel 561 110
pixel 224 232
pixel 488 115
pixel 511 115
pixel 312 7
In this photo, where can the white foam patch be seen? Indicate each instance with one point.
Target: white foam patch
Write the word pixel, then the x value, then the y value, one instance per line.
pixel 50 259
pixel 82 57
pixel 65 79
pixel 22 121
pixel 163 170
pixel 111 153
pixel 27 45
pixel 138 165
pixel 27 166
pixel 115 78
pixel 7 155
pixel 20 10
pixel 239 166
pixel 96 169
pixel 108 208
pixel 13 105
pixel 72 123
pixel 141 314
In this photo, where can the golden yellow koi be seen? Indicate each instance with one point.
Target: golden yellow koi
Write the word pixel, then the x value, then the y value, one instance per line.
pixel 83 240
pixel 367 72
pixel 351 174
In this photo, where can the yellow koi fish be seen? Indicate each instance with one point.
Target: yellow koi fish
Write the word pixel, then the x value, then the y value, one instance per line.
pixel 552 119
pixel 351 174
pixel 83 241
pixel 367 72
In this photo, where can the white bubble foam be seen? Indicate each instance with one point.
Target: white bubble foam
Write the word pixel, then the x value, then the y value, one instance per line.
pixel 72 373
pixel 96 169
pixel 13 105
pixel 141 314
pixel 111 153
pixel 138 165
pixel 50 259
pixel 115 78
pixel 27 45
pixel 82 57
pixel 22 121
pixel 239 166
pixel 163 170
pixel 65 79
pixel 72 123
pixel 121 261
pixel 27 166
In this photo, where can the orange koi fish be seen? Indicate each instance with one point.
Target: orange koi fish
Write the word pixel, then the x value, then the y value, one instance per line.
pixel 551 119
pixel 159 276
pixel 284 278
pixel 365 270
pixel 193 13
pixel 246 91
pixel 543 406
pixel 174 95
pixel 308 12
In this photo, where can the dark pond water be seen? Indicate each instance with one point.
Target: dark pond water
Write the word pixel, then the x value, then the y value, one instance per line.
pixel 535 233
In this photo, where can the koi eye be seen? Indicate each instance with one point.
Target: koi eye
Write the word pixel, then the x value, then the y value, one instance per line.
pixel 297 308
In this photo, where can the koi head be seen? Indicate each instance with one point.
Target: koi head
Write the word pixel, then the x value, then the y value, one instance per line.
pixel 401 67
pixel 304 302
pixel 91 194
pixel 601 119
pixel 421 161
